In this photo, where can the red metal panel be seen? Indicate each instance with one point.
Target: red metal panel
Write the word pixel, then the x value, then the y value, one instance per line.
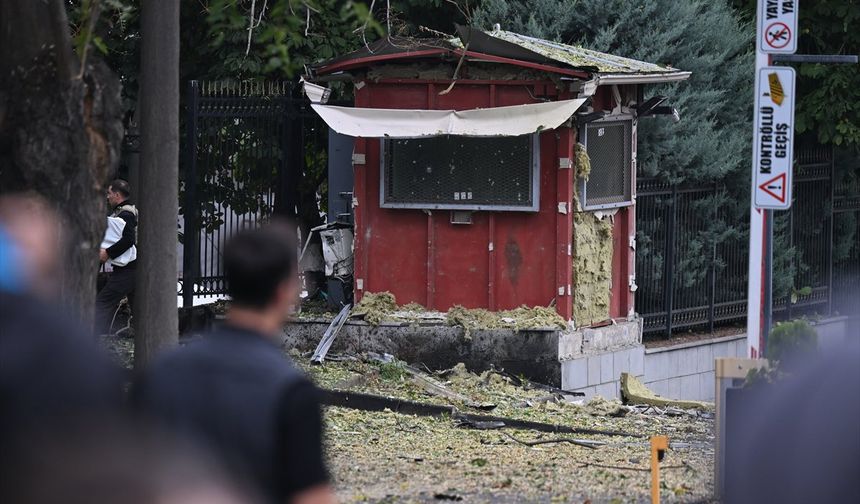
pixel 620 256
pixel 525 243
pixel 360 256
pixel 401 96
pixel 429 53
pixel 427 259
pixel 396 251
pixel 357 62
pixel 461 261
pixel 564 224
pixel 359 202
pixel 513 95
pixel 462 97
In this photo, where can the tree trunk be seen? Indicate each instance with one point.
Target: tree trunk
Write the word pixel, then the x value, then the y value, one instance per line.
pixel 157 323
pixel 60 134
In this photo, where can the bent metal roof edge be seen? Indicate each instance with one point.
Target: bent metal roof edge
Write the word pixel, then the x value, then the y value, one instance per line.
pixel 579 57
pixel 507 47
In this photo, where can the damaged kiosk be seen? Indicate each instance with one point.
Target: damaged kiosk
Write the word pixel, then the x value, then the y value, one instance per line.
pixel 493 171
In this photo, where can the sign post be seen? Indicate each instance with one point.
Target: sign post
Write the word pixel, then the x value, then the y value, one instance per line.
pixel 773 135
pixel 773 154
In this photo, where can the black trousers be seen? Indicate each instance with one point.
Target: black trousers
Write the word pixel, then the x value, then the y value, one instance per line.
pixel 120 284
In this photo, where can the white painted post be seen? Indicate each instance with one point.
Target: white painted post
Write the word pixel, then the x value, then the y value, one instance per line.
pixel 756 252
pixel 776 33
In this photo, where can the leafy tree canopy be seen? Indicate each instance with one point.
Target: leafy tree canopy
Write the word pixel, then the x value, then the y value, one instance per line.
pixel 706 38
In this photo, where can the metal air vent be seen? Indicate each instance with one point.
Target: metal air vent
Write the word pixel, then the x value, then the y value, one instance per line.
pixel 609 143
pixel 460 173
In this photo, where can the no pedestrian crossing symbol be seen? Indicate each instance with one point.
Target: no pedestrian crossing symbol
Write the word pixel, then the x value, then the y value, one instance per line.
pixel 777 30
pixel 774 138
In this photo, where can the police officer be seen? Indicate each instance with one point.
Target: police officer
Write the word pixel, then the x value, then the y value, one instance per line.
pixel 121 281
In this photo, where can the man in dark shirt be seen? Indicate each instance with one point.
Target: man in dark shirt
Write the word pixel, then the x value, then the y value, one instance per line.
pixel 235 392
pixel 121 281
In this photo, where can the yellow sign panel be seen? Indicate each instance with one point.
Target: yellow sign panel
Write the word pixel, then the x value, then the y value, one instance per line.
pixel 777 94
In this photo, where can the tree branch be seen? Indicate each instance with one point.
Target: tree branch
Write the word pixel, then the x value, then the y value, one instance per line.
pixel 578 442
pixel 250 27
pixel 92 18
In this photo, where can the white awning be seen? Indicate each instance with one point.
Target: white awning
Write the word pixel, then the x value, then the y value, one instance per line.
pixel 408 123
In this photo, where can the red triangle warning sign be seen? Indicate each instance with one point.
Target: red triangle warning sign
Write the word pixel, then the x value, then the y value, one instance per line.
pixel 775 187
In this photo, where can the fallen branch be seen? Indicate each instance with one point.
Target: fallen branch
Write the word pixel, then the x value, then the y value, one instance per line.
pixel 433 387
pixel 456 72
pixel 533 385
pixel 630 468
pixel 579 442
pixel 371 402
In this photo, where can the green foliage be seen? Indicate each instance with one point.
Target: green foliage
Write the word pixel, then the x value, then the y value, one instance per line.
pixel 707 38
pixel 791 341
pixel 788 345
pixel 391 371
pixel 285 37
pixel 550 19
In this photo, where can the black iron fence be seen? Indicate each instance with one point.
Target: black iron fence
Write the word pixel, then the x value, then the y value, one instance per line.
pixel 692 257
pixel 246 146
pixel 244 152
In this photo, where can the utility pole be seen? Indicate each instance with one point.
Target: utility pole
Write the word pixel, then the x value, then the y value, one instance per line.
pixel 156 315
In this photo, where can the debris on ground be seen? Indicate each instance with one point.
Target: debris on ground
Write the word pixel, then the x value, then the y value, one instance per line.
pixel 375 306
pixel 330 334
pixel 520 319
pixel 313 308
pixel 431 386
pixel 634 391
pixel 598 406
pixel 378 307
pixel 413 307
pixel 398 457
pixel 534 467
pixel 470 320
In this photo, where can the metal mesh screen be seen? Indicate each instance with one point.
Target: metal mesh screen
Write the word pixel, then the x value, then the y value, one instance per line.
pixel 459 172
pixel 608 144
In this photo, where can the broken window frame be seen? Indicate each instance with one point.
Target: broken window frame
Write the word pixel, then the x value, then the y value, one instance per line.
pixel 630 164
pixel 534 181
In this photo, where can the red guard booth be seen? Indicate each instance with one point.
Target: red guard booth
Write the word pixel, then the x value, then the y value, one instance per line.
pixel 473 203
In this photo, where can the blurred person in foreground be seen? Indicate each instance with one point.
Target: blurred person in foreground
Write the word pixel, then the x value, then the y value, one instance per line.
pixel 234 392
pixel 797 440
pixel 52 376
pixel 115 463
pixel 122 255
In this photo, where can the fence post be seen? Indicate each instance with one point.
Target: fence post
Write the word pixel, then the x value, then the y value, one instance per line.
pixel 789 306
pixel 830 234
pixel 712 272
pixel 669 263
pixel 712 281
pixel 190 228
